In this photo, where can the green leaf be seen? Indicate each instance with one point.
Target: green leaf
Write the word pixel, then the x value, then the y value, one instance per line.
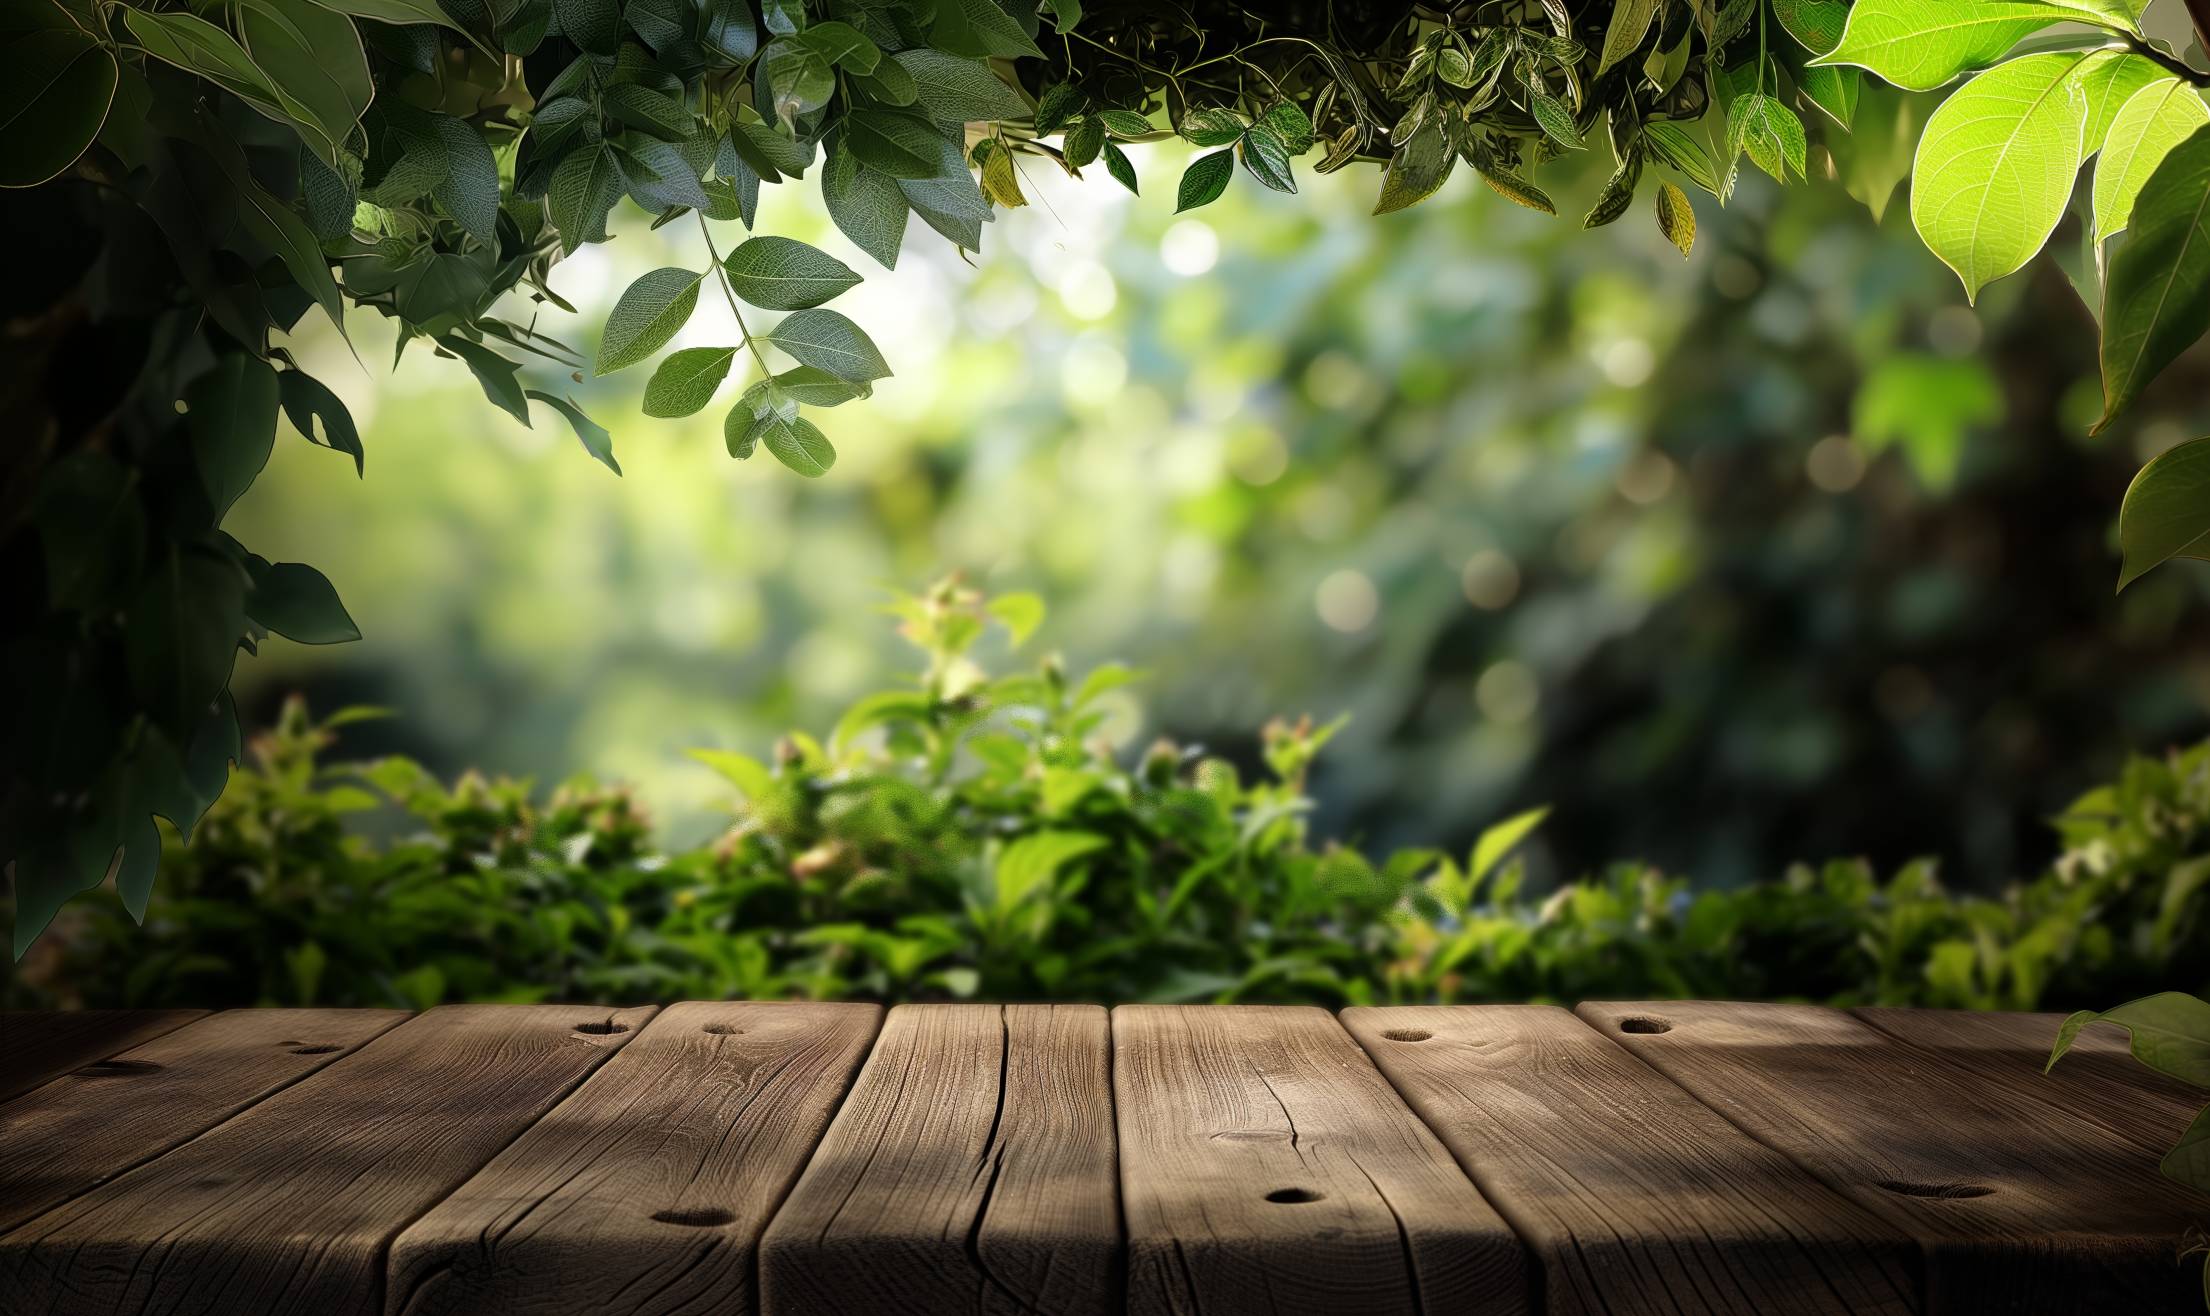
pixel 1769 132
pixel 1928 406
pixel 827 341
pixel 742 771
pixel 499 377
pixel 1875 154
pixel 2107 80
pixel 56 84
pixel 1676 218
pixel 2188 1162
pixel 470 190
pixel 198 46
pixel 818 388
pixel 594 437
pixel 796 443
pixel 1020 613
pixel 1672 145
pixel 1994 171
pixel 889 84
pixel 308 400
pixel 593 25
pixel 2156 300
pixel 1618 193
pixel 643 108
pixel 1204 181
pixel 685 382
pixel 1212 126
pixel 950 202
pixel 2170 1033
pixel 784 274
pixel 1128 123
pixel 2154 120
pixel 1286 119
pixel 1417 170
pixel 181 634
pixel 1116 164
pixel 297 602
pixel 314 61
pixel 1266 156
pixel 1815 24
pixel 584 189
pixel 394 11
pixel 1834 91
pixel 983 26
pixel 866 205
pixel 899 144
pixel 1630 22
pixel 1555 120
pixel 648 314
pixel 1500 839
pixel 1921 44
pixel 799 79
pixel 231 417
pixel 1088 138
pixel 2166 513
pixel 955 90
pixel 844 46
pixel 1058 105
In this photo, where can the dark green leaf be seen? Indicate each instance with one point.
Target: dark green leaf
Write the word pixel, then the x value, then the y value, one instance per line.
pixel 1417 170
pixel 297 602
pixel 2166 513
pixel 1212 126
pixel 1204 181
pixel 641 107
pixel 829 342
pixel 499 377
pixel 584 189
pixel 231 416
pixel 1267 158
pixel 819 388
pixel 596 440
pixel 1087 139
pixel 181 636
pixel 799 79
pixel 1116 164
pixel 784 274
pixel 314 61
pixel 2156 300
pixel 898 144
pixel 796 443
pixel 56 84
pixel 866 205
pixel 844 46
pixel 647 315
pixel 685 382
pixel 306 400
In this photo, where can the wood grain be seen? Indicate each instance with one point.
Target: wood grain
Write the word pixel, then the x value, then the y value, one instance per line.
pixel 289 1206
pixel 2098 1079
pixel 971 1169
pixel 2016 1205
pixel 1267 1166
pixel 41 1045
pixel 1634 1196
pixel 89 1125
pixel 647 1189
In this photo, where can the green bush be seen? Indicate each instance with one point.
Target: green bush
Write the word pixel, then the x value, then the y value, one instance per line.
pixel 970 835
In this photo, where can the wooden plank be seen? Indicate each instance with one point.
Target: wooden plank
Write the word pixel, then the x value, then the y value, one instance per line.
pixel 85 1127
pixel 971 1169
pixel 288 1207
pixel 2098 1080
pixel 1267 1166
pixel 2016 1205
pixel 647 1189
pixel 1635 1196
pixel 42 1045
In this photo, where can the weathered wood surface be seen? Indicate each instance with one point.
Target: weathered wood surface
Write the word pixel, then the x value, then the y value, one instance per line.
pixel 1267 1166
pixel 289 1206
pixel 971 1169
pixel 2098 1079
pixel 83 1128
pixel 2017 1205
pixel 671 1158
pixel 42 1045
pixel 1634 1196
pixel 806 1158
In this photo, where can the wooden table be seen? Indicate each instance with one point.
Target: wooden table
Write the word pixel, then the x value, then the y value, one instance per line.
pixel 810 1158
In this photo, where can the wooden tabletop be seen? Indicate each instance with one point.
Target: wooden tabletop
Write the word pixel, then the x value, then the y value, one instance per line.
pixel 1672 1157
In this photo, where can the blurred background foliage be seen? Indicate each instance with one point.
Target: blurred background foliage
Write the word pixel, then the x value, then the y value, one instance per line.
pixel 1779 552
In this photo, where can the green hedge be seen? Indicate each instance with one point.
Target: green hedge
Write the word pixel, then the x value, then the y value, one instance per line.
pixel 969 836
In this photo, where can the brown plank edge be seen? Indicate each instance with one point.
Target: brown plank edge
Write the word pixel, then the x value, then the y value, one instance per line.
pixel 87 1126
pixel 2098 1080
pixel 647 1189
pixel 970 1169
pixel 1267 1166
pixel 1635 1196
pixel 2016 1205
pixel 290 1205
pixel 41 1045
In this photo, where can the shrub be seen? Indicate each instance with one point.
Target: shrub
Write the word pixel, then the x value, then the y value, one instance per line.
pixel 970 835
